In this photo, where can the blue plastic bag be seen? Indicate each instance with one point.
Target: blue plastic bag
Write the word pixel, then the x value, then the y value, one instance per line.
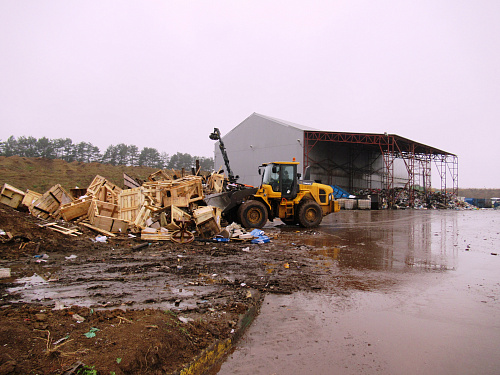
pixel 261 239
pixel 257 232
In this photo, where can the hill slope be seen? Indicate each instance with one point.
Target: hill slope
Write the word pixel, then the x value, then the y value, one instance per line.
pixel 40 174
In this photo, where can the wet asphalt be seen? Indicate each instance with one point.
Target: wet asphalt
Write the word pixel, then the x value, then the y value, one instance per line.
pixel 418 294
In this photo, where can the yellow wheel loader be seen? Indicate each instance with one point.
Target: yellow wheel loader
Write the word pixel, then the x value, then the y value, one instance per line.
pixel 281 195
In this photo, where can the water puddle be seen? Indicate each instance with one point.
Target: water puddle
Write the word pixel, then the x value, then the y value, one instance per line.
pixel 412 292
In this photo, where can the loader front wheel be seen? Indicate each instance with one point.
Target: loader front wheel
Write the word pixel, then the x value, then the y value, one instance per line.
pixel 252 214
pixel 310 214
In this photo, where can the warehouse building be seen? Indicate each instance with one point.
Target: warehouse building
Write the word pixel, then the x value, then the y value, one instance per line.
pixel 352 161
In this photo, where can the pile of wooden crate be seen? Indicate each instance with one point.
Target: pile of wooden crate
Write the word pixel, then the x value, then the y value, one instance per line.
pixel 157 209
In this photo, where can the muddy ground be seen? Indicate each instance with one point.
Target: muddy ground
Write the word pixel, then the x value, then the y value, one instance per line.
pixel 74 304
pixel 391 291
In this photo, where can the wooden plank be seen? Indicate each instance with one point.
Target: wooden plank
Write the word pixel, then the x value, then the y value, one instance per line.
pixel 78 208
pixel 63 231
pixel 130 181
pixel 130 202
pixel 142 216
pixel 99 230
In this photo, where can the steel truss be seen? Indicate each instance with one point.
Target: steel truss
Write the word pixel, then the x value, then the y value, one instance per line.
pixel 417 158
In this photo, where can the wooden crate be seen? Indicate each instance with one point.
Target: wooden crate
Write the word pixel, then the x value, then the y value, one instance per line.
pixel 183 192
pixel 30 198
pixel 143 214
pixel 104 215
pixel 208 228
pixel 77 193
pixel 11 196
pixel 49 204
pixel 151 234
pixel 154 191
pixel 130 202
pixel 110 224
pixel 103 190
pixel 215 183
pixel 179 215
pixel 75 209
pixel 180 192
pixel 203 214
pixel 207 221
pixel 103 208
pixel 160 175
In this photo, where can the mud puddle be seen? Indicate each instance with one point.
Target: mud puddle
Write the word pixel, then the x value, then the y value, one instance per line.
pixel 114 283
pixel 412 292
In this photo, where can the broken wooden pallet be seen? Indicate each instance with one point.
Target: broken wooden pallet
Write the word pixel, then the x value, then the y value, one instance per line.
pixel 103 190
pixel 55 227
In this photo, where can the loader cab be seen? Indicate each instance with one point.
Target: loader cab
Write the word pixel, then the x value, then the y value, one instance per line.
pixel 282 177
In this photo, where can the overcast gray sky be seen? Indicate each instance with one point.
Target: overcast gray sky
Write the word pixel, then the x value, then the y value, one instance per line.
pixel 163 74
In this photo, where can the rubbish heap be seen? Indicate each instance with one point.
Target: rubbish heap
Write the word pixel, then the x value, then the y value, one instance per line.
pixel 162 208
pixel 421 200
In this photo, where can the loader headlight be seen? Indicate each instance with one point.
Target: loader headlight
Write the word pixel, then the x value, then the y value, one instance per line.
pixel 330 197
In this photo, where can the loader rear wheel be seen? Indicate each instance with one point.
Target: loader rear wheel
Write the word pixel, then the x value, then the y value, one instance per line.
pixel 252 214
pixel 309 214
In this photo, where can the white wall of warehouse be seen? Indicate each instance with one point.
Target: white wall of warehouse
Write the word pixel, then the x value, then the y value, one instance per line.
pixel 262 139
pixel 259 139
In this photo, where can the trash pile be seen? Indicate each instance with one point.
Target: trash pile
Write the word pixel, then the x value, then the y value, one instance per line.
pixel 421 200
pixel 163 208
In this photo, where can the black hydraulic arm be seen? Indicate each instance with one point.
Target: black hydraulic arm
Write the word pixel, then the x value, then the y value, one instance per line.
pixel 215 136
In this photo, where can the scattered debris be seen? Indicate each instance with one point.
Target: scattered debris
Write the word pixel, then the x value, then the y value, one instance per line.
pixel 185 320
pixel 78 318
pixel 91 332
pixel 100 239
pixel 402 199
pixel 4 273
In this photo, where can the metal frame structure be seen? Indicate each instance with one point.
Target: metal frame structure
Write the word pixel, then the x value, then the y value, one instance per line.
pixel 417 158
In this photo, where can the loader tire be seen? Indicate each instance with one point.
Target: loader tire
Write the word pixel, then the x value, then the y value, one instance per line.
pixel 310 214
pixel 252 214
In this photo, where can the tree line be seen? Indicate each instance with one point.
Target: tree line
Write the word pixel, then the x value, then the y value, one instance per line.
pixel 121 154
